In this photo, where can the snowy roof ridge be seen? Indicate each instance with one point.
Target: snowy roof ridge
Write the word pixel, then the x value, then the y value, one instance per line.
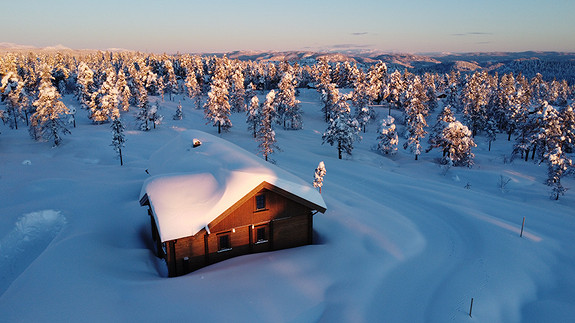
pixel 190 187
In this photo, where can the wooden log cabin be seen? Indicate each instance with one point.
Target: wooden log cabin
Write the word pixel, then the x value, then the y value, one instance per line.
pixel 213 201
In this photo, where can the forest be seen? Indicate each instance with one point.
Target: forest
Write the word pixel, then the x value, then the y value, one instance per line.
pixel 434 111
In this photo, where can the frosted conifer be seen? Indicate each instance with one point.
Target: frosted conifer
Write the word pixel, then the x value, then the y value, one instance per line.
pixel 265 134
pixel 387 138
pixel 179 113
pixel 46 119
pixel 288 106
pixel 343 130
pixel 118 138
pixel 254 115
pixel 217 108
pixel 318 176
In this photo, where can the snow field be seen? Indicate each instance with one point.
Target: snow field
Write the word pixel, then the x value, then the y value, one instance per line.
pixel 402 240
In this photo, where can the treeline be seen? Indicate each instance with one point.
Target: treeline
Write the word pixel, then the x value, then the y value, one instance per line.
pixel 533 112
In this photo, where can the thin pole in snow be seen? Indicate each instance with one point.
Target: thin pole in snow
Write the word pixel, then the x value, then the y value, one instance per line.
pixel 522 225
pixel 471 307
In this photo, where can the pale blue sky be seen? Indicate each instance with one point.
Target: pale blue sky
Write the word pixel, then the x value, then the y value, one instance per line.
pixel 226 25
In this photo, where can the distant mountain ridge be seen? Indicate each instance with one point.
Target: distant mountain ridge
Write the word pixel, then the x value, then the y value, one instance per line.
pixel 552 65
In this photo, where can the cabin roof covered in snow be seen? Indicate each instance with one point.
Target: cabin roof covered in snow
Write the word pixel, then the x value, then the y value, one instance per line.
pixel 192 186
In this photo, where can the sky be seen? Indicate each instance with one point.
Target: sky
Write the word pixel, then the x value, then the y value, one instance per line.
pixel 407 26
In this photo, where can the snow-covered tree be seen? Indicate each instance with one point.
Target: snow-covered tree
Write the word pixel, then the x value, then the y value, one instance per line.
pixel 179 115
pixel 387 138
pixel 154 114
pixel 343 129
pixel 377 83
pixel 85 81
pixel 288 106
pixel 415 114
pixel 330 97
pixel 553 152
pixel 46 121
pixel 318 176
pixel 237 90
pixel 475 98
pixel 458 140
pixel 118 138
pixel 435 139
pixel 360 97
pixel 12 86
pixel 266 135
pixel 124 92
pixel 170 81
pixel 194 89
pixel 217 108
pixel 105 102
pixel 253 118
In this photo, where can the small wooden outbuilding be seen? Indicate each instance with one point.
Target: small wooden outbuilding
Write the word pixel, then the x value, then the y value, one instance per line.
pixel 212 201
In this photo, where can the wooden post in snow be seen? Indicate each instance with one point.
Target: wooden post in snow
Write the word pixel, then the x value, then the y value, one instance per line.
pixel 522 225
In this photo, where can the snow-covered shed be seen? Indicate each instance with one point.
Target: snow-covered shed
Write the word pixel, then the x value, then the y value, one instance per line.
pixel 210 200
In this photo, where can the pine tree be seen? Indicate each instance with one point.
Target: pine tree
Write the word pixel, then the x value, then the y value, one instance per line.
pixel 194 89
pixel 238 92
pixel 217 108
pixel 118 138
pixel 343 130
pixel 104 102
pixel 45 121
pixel 179 115
pixel 266 134
pixel 475 98
pixel 558 163
pixel 387 138
pixel 376 81
pixel 435 139
pixel 318 176
pixel 124 90
pixel 458 140
pixel 254 115
pixel 170 81
pixel 144 109
pixel 364 113
pixel 154 114
pixel 85 83
pixel 330 97
pixel 287 104
pixel 415 114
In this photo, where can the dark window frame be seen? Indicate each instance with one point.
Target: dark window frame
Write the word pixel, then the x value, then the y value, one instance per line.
pixel 224 242
pixel 261 234
pixel 260 202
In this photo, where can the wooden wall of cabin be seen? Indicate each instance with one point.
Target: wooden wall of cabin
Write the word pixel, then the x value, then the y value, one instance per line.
pixel 288 224
pixel 277 207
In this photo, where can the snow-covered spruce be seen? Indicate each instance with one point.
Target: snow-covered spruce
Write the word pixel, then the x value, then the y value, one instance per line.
pixel 387 138
pixel 320 172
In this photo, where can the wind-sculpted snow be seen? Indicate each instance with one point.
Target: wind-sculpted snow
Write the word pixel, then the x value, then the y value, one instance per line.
pixel 401 240
pixel 30 236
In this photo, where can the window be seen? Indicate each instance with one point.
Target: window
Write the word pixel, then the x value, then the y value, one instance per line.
pixel 224 242
pixel 260 202
pixel 261 235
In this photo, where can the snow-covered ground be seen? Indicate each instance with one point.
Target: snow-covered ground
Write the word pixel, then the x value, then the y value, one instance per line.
pixel 402 240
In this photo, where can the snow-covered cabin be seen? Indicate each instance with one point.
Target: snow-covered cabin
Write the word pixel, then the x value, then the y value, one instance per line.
pixel 210 200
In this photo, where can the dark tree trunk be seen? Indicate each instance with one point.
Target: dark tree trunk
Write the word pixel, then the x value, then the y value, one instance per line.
pixel 339 149
pixel 220 128
pixel 121 160
pixel 533 152
pixel 416 157
pixel 489 149
pixel 527 155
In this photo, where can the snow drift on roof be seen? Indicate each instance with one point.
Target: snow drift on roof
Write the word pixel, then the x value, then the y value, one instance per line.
pixel 190 187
